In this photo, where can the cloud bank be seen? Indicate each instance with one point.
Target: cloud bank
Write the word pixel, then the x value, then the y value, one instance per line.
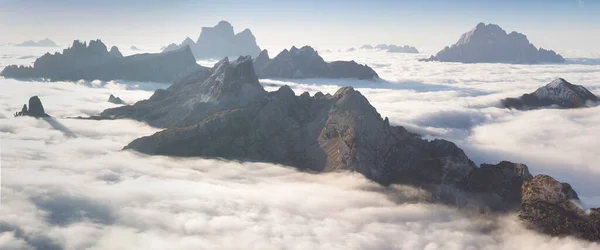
pixel 83 192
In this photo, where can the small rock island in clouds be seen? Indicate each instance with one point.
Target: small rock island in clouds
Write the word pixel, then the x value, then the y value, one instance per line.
pixel 558 92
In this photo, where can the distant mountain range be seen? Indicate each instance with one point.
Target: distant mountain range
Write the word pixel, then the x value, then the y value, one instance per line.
pixel 42 43
pixel 94 61
pixel 392 48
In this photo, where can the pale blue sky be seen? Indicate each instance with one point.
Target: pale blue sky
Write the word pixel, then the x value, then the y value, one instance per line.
pixel 563 25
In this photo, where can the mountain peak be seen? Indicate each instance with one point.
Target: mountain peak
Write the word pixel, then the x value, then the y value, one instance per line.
pixel 489 43
pixel 558 92
pixel 558 82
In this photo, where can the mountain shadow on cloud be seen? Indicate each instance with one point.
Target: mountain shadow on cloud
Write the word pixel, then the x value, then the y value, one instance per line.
pixel 64 209
pixel 35 241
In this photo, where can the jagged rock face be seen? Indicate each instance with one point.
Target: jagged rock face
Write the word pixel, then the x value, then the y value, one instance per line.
pixel 551 207
pixel 115 100
pixel 503 182
pixel 188 42
pixel 306 63
pixel 262 59
pixel 558 92
pixel 171 47
pixel 491 44
pixel 342 132
pixel 190 99
pixel 95 62
pixel 220 41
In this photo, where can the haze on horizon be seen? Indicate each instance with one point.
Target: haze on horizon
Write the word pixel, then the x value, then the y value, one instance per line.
pixel 571 27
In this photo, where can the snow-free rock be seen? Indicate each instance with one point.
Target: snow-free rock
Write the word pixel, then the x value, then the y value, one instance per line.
pixel 220 41
pixel 491 44
pixel 306 63
pixel 96 62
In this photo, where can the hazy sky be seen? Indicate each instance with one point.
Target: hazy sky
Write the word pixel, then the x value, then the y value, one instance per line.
pixel 563 25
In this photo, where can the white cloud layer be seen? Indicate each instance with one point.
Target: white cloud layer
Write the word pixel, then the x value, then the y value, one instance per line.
pixel 82 192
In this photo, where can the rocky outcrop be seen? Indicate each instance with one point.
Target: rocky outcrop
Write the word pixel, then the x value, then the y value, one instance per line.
pixel 225 112
pixel 558 92
pixel 220 41
pixel 36 109
pixel 96 62
pixel 42 43
pixel 491 44
pixel 500 185
pixel 115 100
pixel 134 48
pixel 306 63
pixel 227 85
pixel 553 208
pixel 319 133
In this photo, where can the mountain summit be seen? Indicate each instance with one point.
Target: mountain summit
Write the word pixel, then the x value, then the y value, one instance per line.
pixel 558 92
pixel 220 41
pixel 491 44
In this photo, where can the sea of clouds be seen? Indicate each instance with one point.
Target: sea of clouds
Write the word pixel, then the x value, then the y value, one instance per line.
pixel 66 184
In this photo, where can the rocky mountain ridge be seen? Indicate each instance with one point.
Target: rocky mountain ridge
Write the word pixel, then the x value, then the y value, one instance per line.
pixel 94 61
pixel 306 63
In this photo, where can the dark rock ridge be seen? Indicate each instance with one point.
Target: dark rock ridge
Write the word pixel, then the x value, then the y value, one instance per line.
pixel 96 62
pixel 306 63
pixel 553 208
pixel 133 48
pixel 220 41
pixel 318 133
pixel 227 85
pixel 500 184
pixel 41 43
pixel 36 109
pixel 392 48
pixel 224 112
pixel 115 100
pixel 558 92
pixel 491 44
